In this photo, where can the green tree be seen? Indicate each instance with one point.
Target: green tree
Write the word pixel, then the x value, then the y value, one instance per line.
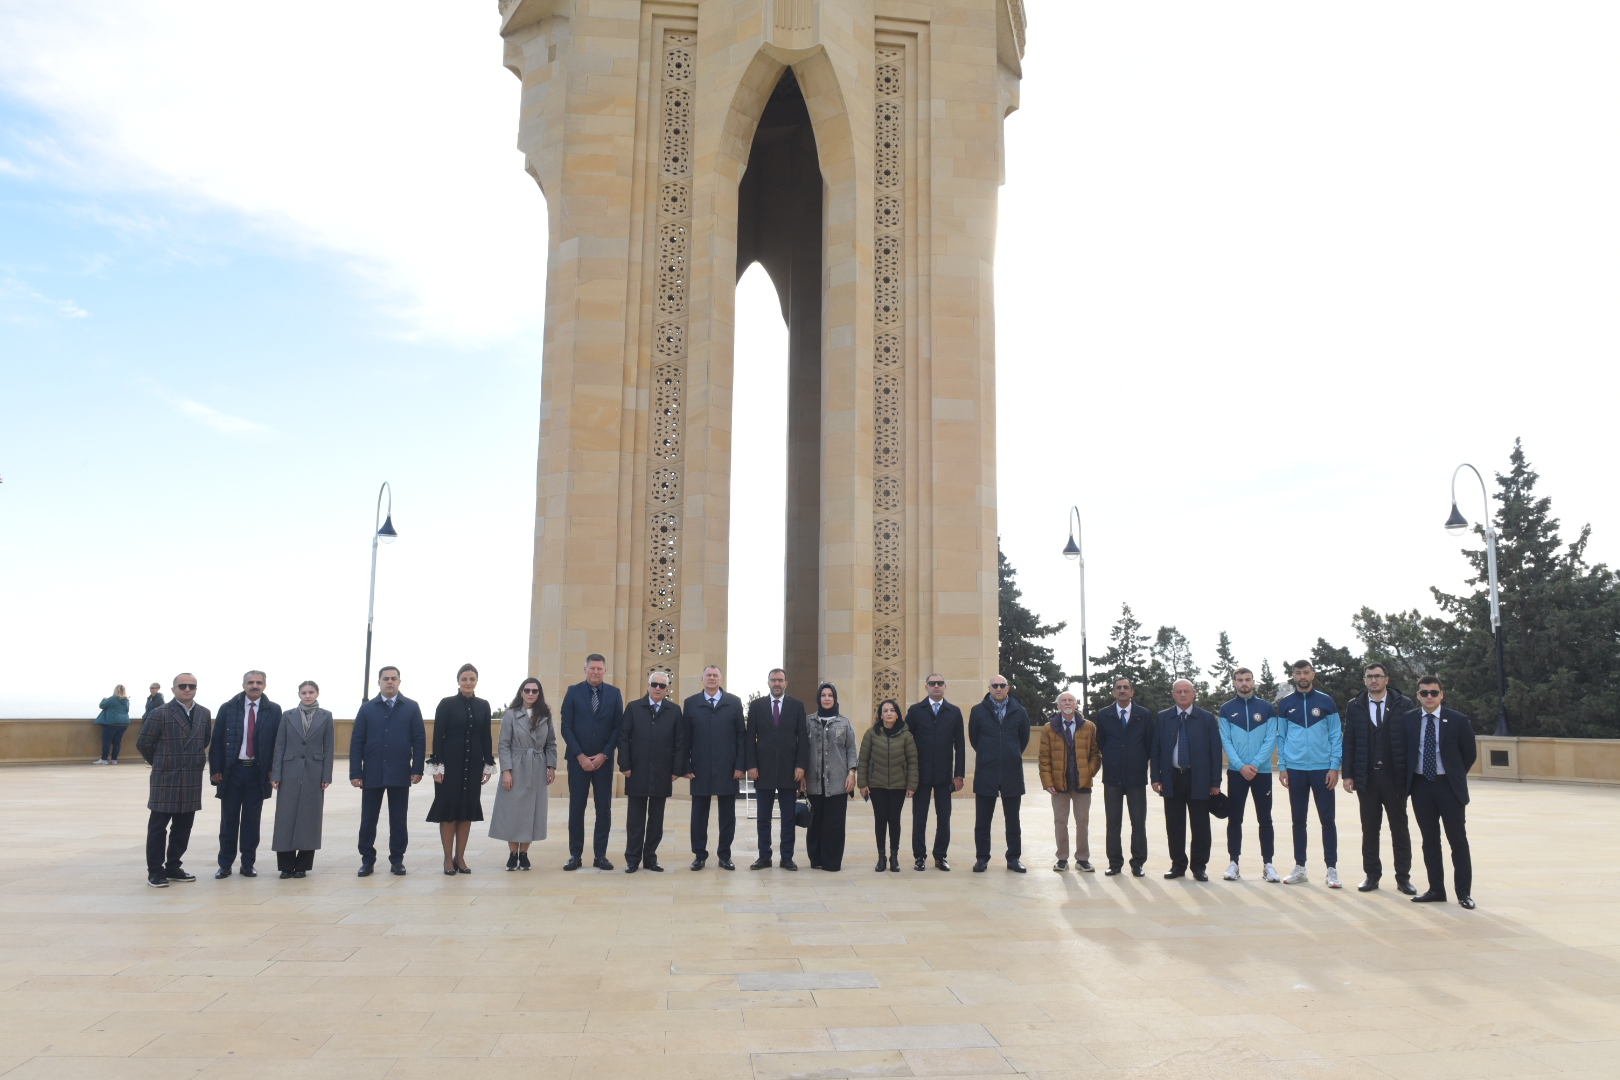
pixel 1126 656
pixel 1405 642
pixel 1338 672
pixel 1170 658
pixel 1266 685
pixel 1225 663
pixel 1032 671
pixel 1560 624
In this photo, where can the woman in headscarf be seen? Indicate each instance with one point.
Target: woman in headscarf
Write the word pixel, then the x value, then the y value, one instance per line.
pixel 301 771
pixel 463 760
pixel 888 776
pixel 830 779
pixel 528 767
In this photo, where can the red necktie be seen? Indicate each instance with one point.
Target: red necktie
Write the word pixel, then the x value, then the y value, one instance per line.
pixel 253 715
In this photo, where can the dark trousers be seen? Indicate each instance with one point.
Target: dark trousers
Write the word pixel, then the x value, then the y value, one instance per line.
pixel 295 860
pixel 1117 798
pixel 984 812
pixel 112 738
pixel 371 800
pixel 598 786
pixel 940 796
pixel 1238 791
pixel 1434 804
pixel 175 829
pixel 700 824
pixel 770 799
pixel 241 806
pixel 1302 784
pixel 887 803
pixel 1180 807
pixel 643 828
pixel 824 839
pixel 1379 796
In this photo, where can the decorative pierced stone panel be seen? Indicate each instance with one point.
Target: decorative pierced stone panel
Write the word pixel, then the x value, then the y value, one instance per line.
pixel 886 421
pixel 886 568
pixel 886 685
pixel 886 643
pixel 888 377
pixel 668 334
pixel 886 353
pixel 890 131
pixel 886 267
pixel 888 213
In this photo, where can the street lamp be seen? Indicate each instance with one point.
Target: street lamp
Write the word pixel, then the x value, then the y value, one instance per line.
pixel 383 533
pixel 1457 523
pixel 1071 551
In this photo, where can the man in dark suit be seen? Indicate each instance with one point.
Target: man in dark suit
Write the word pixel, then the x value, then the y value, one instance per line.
pixel 714 763
pixel 1125 738
pixel 387 754
pixel 174 741
pixel 776 748
pixel 592 712
pixel 239 766
pixel 936 727
pixel 1440 744
pixel 1186 771
pixel 998 729
pixel 652 750
pixel 1375 770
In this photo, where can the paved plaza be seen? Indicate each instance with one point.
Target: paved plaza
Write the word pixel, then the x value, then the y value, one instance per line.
pixel 771 974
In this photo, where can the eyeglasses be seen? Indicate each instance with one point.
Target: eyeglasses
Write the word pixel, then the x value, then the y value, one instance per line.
pixel 936 682
pixel 998 686
pixel 531 689
pixel 1370 678
pixel 659 685
pixel 185 686
pixel 1428 693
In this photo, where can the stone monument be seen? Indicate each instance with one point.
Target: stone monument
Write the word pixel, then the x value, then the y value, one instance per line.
pixel 854 148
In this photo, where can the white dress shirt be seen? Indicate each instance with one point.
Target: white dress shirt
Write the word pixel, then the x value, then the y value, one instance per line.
pixel 1423 730
pixel 246 753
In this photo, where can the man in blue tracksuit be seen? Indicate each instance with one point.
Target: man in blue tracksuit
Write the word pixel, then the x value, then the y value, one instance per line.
pixel 1310 744
pixel 1249 736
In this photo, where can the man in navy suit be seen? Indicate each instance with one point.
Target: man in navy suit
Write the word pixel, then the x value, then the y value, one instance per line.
pixel 1186 771
pixel 1440 745
pixel 591 714
pixel 239 767
pixel 386 755
pixel 936 726
pixel 1125 739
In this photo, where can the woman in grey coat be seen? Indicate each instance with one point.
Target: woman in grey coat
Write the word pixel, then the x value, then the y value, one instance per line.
pixel 301 771
pixel 528 752
pixel 829 780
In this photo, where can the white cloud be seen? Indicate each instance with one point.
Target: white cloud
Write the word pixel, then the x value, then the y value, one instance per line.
pixel 219 421
pixel 384 136
pixel 12 287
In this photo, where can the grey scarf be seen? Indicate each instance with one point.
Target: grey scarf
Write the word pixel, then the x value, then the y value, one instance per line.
pixel 308 712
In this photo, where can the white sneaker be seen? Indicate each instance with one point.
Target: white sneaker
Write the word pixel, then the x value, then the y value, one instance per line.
pixel 1333 878
pixel 103 761
pixel 1297 877
pixel 1232 873
pixel 1271 874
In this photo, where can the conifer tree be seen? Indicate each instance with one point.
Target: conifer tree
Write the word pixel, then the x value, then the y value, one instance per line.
pixel 1032 671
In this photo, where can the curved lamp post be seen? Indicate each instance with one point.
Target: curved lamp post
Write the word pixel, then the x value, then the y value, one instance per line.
pixel 1071 551
pixel 1457 523
pixel 383 533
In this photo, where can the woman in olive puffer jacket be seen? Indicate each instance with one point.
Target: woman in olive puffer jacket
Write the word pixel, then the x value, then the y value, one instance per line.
pixel 887 775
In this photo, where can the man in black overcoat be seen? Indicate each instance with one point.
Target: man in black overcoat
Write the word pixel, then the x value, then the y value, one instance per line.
pixel 174 741
pixel 776 749
pixel 239 754
pixel 998 728
pixel 936 726
pixel 714 763
pixel 652 750
pixel 1186 769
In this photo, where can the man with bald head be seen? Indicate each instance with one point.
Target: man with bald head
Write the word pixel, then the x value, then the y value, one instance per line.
pixel 174 741
pixel 1186 770
pixel 998 729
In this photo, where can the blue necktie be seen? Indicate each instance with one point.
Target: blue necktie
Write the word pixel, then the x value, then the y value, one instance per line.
pixel 1431 747
pixel 1183 755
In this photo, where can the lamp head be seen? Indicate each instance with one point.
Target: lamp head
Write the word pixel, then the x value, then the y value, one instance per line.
pixel 1456 522
pixel 387 534
pixel 1071 550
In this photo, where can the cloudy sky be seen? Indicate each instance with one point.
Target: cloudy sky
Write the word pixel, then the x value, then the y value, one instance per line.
pixel 1266 274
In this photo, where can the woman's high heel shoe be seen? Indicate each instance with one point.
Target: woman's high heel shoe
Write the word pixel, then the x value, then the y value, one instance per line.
pixel 512 861
pixel 882 865
pixel 449 869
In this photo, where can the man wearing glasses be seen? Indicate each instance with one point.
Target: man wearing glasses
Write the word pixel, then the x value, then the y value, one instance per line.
pixel 936 725
pixel 1375 771
pixel 174 741
pixel 1442 748
pixel 652 747
pixel 998 729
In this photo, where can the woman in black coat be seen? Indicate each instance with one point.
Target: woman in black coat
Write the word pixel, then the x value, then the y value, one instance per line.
pixel 463 760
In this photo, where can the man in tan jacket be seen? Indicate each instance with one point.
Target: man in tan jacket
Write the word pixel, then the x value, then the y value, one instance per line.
pixel 1069 759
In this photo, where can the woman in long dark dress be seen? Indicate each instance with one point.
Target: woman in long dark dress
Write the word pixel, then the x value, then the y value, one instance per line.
pixel 463 760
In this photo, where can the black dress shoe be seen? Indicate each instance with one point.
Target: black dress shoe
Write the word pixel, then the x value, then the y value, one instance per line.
pixel 979 865
pixel 1466 901
pixel 1113 871
pixel 815 866
pixel 1170 875
pixel 602 863
pixel 157 881
pixel 1430 897
pixel 697 863
pixel 726 864
pixel 248 871
pixel 285 874
pixel 365 870
pixel 894 863
pixel 789 864
pixel 181 875
pixel 1137 871
pixel 1405 888
pixel 941 863
pixel 450 871
pixel 222 872
pixel 298 873
pixel 1016 866
pixel 761 863
pixel 1367 885
pixel 463 869
pixel 573 863
pixel 882 864
pixel 398 869
pixel 1199 875
pixel 632 868
pixel 652 864
pixel 920 864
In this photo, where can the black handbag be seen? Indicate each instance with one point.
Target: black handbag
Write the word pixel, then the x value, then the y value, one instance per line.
pixel 801 811
pixel 1218 805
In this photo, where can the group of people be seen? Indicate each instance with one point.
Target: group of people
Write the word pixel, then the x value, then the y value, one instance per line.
pixel 1388 750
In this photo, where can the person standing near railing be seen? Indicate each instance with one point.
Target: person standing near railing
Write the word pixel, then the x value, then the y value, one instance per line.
pixel 113 721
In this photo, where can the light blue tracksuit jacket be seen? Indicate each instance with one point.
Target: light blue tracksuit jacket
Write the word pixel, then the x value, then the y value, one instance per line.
pixel 1310 735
